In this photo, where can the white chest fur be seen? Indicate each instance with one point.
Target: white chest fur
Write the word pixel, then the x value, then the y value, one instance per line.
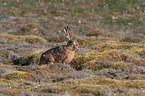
pixel 69 56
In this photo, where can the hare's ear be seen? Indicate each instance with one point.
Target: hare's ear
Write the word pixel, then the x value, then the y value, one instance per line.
pixel 67 31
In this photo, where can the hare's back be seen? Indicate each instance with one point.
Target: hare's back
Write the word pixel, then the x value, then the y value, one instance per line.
pixel 57 53
pixel 57 50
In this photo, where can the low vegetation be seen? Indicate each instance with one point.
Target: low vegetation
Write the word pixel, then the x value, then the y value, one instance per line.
pixel 111 55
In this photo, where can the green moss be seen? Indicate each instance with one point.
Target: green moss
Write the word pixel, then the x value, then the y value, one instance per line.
pixel 80 59
pixel 120 64
pixel 33 29
pixel 107 59
pixel 17 75
pixel 55 72
pixel 120 55
pixel 84 41
pixel 14 91
pixel 34 39
pixel 102 45
pixel 12 86
pixel 134 40
pixel 11 37
pixel 103 33
pixel 99 65
pixel 20 38
pixel 57 38
pixel 138 50
pixel 95 90
pixel 6 82
pixel 95 33
pixel 106 45
pixel 97 85
pixel 56 68
pixel 6 56
pixel 115 20
pixel 136 77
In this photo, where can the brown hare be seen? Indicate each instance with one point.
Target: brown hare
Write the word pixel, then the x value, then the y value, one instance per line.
pixel 61 54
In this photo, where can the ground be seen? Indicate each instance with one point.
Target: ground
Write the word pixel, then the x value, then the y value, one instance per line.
pixel 111 55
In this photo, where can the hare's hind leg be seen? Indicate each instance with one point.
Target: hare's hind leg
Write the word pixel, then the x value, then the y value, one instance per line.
pixel 50 63
pixel 46 59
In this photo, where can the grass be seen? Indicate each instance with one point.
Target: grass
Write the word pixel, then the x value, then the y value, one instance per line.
pixel 31 58
pixel 98 60
pixel 111 55
pixel 17 75
pixel 20 38
pixel 101 86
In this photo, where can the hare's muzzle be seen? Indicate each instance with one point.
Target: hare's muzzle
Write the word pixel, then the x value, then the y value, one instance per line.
pixel 76 45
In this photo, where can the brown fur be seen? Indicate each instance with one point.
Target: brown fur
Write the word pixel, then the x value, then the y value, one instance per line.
pixel 60 54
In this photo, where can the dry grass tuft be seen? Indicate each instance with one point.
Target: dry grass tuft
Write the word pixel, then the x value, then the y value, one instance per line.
pixel 108 59
pixel 80 59
pixel 4 68
pixel 32 29
pixel 35 29
pixel 14 91
pixel 17 75
pixel 139 50
pixel 57 38
pixel 32 39
pixel 132 39
pixel 113 47
pixel 84 41
pixel 95 86
pixel 31 58
pixel 6 56
pixel 136 77
pixel 103 33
